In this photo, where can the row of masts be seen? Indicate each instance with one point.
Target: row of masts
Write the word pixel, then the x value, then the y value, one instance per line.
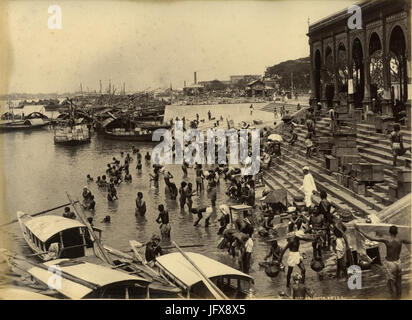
pixel 110 90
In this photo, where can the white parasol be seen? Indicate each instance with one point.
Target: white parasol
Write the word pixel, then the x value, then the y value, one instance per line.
pixel 275 137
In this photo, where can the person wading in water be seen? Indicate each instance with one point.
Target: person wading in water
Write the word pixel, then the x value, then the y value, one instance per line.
pixel 140 205
pixel 163 220
pixel 392 262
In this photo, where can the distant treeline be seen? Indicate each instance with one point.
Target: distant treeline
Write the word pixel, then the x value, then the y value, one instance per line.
pixel 301 74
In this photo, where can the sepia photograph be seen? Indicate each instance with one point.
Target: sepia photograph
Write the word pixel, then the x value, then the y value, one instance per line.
pixel 232 150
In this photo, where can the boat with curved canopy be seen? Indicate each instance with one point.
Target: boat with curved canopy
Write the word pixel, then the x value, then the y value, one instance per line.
pixel 233 283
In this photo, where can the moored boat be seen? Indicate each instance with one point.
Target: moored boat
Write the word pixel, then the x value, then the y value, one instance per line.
pixel 160 287
pixel 52 237
pixel 83 280
pixel 72 135
pixel 233 283
pixel 21 125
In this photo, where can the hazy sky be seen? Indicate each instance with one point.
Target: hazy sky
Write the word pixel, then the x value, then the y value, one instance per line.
pixel 153 44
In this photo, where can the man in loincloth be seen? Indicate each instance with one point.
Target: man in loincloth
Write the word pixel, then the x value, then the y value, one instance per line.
pixel 392 263
pixel 294 258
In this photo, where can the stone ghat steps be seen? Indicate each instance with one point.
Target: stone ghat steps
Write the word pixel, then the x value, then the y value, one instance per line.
pixel 373 153
pixel 296 161
pixel 288 107
pixel 291 184
pixel 379 193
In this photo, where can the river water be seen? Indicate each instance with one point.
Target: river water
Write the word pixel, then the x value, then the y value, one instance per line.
pixel 38 174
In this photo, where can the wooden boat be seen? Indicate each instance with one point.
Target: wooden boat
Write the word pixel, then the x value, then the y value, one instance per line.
pixel 73 127
pixel 72 135
pixel 233 283
pixel 66 238
pixel 130 135
pixel 160 287
pixel 22 125
pixel 71 237
pixel 83 280
pixel 15 293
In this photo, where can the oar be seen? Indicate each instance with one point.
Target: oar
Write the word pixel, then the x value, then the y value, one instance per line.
pixel 60 272
pixel 64 248
pixel 140 245
pixel 38 213
pixel 217 293
pixel 96 241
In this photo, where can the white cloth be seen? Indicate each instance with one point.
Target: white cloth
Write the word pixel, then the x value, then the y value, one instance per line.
pixel 308 187
pixel 294 258
pixel 249 245
pixel 340 247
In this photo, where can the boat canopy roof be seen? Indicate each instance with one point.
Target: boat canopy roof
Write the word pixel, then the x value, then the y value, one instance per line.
pixel 91 273
pixel 176 264
pixel 46 227
pixel 33 122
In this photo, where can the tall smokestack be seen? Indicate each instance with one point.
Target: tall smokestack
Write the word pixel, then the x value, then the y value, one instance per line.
pixel 100 81
pixel 184 84
pixel 195 78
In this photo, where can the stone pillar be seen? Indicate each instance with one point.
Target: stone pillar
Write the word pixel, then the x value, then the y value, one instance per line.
pixel 409 84
pixel 323 99
pixel 366 95
pixel 312 98
pixel 386 101
pixel 351 104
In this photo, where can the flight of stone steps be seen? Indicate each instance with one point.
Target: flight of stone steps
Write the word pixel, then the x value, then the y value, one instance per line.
pixel 373 147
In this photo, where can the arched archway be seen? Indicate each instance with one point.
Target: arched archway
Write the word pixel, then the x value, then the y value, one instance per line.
pixel 329 76
pixel 358 72
pixel 397 64
pixel 318 66
pixel 342 69
pixel 376 70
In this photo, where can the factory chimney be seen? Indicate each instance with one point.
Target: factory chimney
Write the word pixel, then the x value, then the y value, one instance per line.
pixel 195 78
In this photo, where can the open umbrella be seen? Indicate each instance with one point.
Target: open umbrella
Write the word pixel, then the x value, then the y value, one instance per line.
pixel 276 196
pixel 275 137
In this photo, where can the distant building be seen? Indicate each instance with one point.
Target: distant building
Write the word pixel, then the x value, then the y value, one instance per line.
pixel 193 89
pixel 258 88
pixel 245 77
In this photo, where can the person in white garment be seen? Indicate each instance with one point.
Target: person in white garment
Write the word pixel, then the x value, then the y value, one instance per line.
pixel 308 186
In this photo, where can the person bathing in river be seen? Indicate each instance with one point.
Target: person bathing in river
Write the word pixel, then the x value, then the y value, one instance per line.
pixel 185 165
pixel 155 178
pixel 167 177
pixel 127 177
pixel 147 157
pixel 199 178
pixel 90 205
pixel 153 248
pixel 139 166
pixel 140 205
pixel 68 214
pixel 89 178
pixel 199 211
pixel 182 192
pixel 163 221
pixel 112 193
pixel 189 193
pixel 392 263
pixel 173 191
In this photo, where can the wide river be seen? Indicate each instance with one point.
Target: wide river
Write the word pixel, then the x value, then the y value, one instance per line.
pixel 38 174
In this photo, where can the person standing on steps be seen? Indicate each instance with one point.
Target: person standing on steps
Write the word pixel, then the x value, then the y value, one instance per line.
pixel 398 148
pixel 308 186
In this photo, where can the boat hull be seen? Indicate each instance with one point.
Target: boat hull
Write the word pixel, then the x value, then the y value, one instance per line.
pixel 72 142
pixel 141 138
pixel 22 127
